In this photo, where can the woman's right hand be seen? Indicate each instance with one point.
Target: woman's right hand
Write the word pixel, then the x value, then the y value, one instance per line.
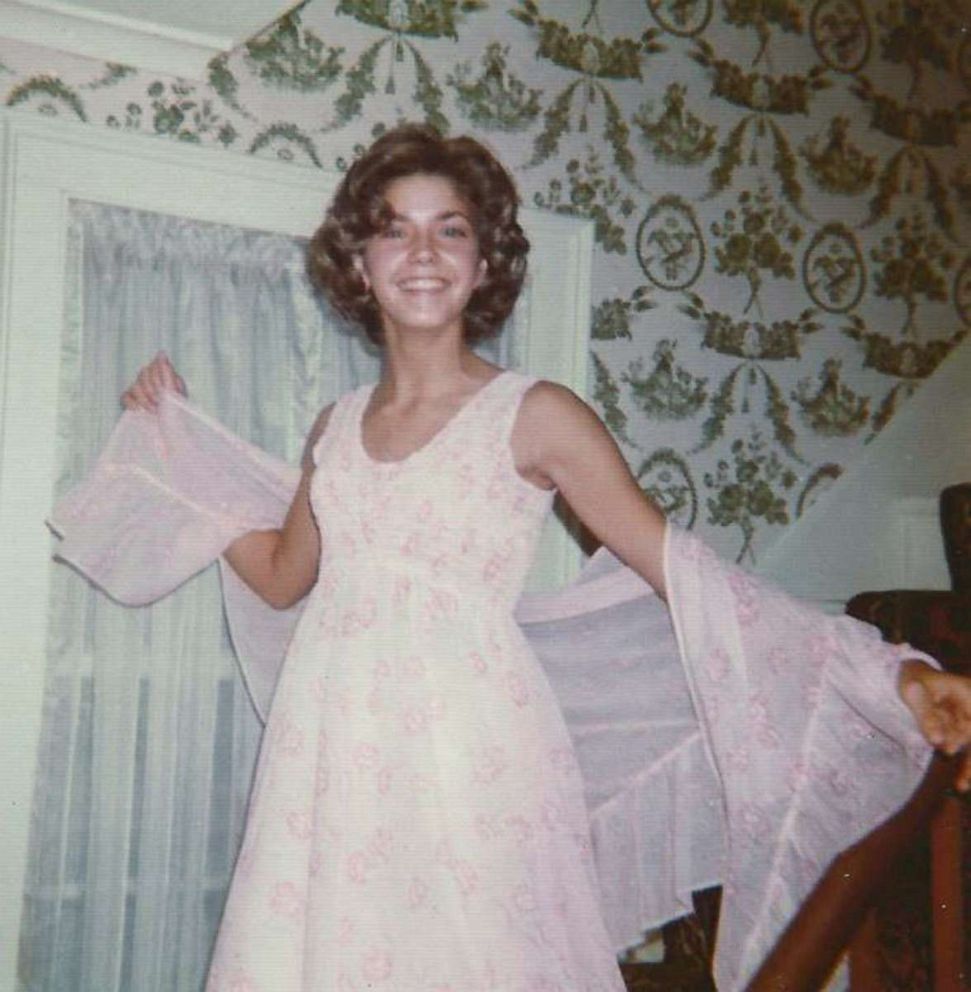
pixel 152 380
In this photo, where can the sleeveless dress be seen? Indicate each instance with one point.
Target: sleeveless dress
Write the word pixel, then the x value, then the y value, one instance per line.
pixel 417 821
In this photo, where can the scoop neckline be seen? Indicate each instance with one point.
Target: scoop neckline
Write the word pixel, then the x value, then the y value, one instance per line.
pixel 441 432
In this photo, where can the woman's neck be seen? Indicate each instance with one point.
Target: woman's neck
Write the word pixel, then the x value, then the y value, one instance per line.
pixel 423 365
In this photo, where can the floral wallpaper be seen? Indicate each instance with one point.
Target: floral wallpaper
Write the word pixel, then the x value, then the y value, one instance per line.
pixel 781 194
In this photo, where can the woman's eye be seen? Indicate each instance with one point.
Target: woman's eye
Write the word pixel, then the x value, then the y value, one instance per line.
pixel 455 231
pixel 393 232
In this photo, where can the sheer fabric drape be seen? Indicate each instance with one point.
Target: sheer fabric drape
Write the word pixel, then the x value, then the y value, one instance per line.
pixel 148 737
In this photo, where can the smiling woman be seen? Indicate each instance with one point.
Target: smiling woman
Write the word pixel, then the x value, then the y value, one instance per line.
pixel 411 714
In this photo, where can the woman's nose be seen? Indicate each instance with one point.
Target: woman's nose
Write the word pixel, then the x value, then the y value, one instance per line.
pixel 423 246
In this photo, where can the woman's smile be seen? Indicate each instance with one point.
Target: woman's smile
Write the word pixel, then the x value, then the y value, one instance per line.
pixel 422 284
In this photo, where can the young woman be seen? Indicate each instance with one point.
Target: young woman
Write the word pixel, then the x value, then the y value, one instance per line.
pixel 417 821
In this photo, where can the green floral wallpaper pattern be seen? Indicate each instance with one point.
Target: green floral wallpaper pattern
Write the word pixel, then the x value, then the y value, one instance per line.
pixel 780 194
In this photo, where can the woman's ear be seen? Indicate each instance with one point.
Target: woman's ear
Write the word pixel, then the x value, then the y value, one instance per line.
pixel 358 261
pixel 483 271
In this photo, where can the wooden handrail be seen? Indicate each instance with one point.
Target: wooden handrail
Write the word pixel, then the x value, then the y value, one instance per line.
pixel 808 950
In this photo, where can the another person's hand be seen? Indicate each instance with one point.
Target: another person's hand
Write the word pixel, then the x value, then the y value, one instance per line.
pixel 941 705
pixel 153 379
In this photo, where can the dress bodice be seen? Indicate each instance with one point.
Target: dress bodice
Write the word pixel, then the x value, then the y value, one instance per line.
pixel 455 514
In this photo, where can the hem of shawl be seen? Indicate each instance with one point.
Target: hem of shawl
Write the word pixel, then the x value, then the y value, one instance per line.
pixel 662 893
pixel 654 923
pixel 85 571
pixel 671 535
pixel 260 706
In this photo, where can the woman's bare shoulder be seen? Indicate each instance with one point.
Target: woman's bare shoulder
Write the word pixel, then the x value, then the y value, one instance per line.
pixel 552 424
pixel 550 406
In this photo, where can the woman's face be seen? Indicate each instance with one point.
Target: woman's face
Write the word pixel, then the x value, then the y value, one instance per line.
pixel 424 266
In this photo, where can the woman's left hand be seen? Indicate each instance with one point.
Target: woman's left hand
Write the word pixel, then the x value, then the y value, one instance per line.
pixel 941 705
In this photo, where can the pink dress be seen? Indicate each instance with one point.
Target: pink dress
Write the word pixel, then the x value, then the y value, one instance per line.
pixel 417 822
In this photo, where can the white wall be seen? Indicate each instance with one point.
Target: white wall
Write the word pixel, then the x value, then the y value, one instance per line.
pixel 876 527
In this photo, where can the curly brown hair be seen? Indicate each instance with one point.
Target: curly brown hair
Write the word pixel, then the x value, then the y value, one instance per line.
pixel 359 211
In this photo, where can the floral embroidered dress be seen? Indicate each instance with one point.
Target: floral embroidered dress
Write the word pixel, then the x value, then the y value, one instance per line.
pixel 417 822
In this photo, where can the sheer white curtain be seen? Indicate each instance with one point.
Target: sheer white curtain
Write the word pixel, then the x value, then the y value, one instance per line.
pixel 148 738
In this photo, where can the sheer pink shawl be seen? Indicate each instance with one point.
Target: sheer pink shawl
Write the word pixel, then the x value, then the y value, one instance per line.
pixel 734 736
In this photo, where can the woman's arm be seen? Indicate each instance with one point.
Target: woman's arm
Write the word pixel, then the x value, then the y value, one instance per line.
pixel 558 440
pixel 279 565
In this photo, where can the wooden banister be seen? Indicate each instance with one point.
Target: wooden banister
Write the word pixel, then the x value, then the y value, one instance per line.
pixel 809 949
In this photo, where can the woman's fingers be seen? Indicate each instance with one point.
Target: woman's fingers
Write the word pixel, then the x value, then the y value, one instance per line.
pixel 918 698
pixel 954 702
pixel 156 374
pixel 139 395
pixel 941 704
pixel 167 377
pixel 149 386
pixel 152 380
pixel 163 375
pixel 963 780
